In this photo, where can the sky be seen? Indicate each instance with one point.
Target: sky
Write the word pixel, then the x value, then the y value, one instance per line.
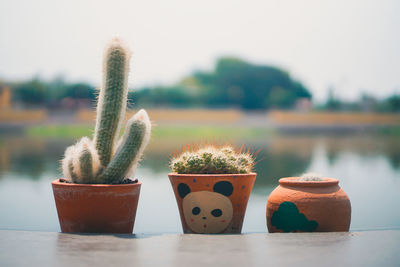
pixel 351 46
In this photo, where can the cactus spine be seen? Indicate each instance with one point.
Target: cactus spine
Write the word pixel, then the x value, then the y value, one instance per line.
pixel 98 161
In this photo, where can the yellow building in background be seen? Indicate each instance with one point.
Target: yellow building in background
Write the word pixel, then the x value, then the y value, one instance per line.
pixel 5 97
pixel 10 115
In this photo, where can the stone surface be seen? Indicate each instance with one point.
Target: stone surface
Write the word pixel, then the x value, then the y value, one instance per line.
pixel 371 248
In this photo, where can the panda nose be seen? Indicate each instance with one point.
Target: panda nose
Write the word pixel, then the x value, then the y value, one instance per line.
pixel 204 218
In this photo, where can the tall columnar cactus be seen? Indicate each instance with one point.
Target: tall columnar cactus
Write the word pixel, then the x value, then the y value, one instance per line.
pixel 112 100
pixel 103 160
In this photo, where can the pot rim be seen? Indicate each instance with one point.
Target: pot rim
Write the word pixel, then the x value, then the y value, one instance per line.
pixel 294 181
pixel 58 183
pixel 172 174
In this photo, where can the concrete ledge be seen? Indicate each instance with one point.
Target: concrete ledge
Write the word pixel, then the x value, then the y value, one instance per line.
pixel 371 248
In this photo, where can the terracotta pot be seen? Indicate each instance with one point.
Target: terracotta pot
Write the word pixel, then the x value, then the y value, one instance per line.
pixel 308 206
pixel 96 208
pixel 212 203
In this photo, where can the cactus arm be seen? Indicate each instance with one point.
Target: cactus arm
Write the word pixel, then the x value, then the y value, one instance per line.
pixel 81 163
pixel 72 174
pixel 130 149
pixel 141 115
pixel 86 166
pixel 124 156
pixel 66 163
pixel 112 101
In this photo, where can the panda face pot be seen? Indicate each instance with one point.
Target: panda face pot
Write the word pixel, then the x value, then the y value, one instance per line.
pixel 212 203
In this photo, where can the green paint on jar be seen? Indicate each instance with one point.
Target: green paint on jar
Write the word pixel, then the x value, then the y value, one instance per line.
pixel 288 219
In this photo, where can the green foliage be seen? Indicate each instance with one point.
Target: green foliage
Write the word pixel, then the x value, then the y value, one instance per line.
pixel 332 103
pixel 163 97
pixel 233 83
pixel 188 132
pixel 213 160
pixel 78 91
pixel 59 131
pixel 366 103
pixel 392 103
pixel 52 94
pixel 31 92
pixel 236 82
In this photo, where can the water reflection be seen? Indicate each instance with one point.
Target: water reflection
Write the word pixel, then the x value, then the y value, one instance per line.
pixel 366 166
pixel 277 156
pixel 30 157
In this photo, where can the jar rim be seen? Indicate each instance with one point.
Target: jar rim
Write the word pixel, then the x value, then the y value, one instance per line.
pixel 294 181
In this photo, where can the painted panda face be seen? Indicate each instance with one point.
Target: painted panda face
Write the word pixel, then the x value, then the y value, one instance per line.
pixel 205 211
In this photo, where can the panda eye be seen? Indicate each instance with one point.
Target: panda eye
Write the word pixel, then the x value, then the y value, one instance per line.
pixel 216 212
pixel 196 210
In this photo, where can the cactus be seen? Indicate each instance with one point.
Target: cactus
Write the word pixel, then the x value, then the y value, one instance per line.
pixel 311 176
pixel 101 161
pixel 81 162
pixel 213 160
pixel 133 142
pixel 112 100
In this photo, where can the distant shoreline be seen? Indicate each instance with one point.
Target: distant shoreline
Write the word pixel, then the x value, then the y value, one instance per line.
pixel 220 122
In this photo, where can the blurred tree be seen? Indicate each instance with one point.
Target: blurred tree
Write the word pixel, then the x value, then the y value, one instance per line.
pixel 161 97
pixel 79 91
pixel 332 103
pixel 50 94
pixel 31 92
pixel 233 83
pixel 238 83
pixel 393 103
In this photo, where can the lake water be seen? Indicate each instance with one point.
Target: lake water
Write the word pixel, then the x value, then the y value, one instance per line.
pixel 367 166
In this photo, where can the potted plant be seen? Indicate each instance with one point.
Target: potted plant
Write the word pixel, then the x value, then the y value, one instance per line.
pixel 309 203
pixel 212 186
pixel 96 193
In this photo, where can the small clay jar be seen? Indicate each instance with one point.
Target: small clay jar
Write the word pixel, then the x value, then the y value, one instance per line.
pixel 96 208
pixel 308 206
pixel 212 203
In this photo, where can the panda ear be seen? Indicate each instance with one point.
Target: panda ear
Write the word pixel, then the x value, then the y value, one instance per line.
pixel 183 190
pixel 224 187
